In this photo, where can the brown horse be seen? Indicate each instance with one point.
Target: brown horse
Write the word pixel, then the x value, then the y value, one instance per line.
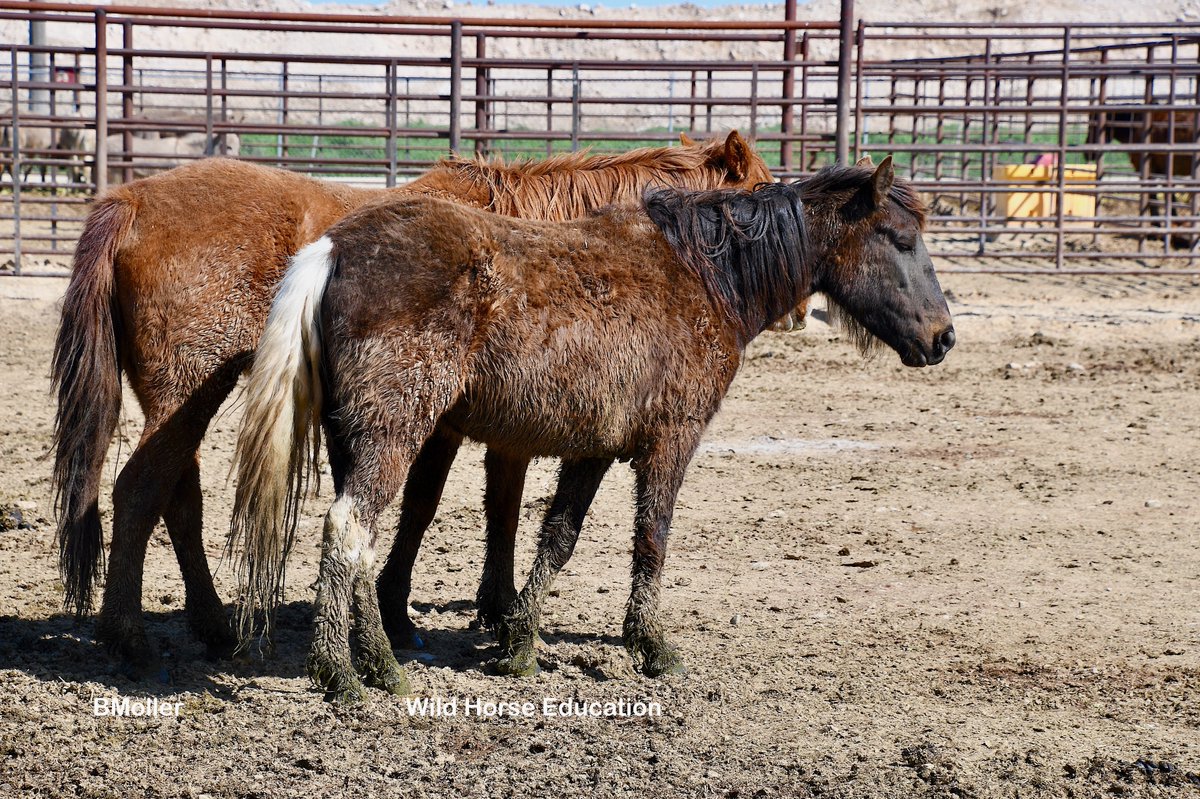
pixel 615 337
pixel 1156 126
pixel 173 278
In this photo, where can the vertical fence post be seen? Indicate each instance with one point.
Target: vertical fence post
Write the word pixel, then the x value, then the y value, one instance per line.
pixel 692 105
pixel 127 99
pixel 280 137
pixel 391 123
pixel 860 92
pixel 225 102
pixel 985 158
pixel 100 164
pixel 788 89
pixel 754 100
pixel 455 85
pixel 549 110
pixel 708 107
pixel 1064 99
pixel 16 160
pixel 845 44
pixel 210 143
pixel 575 110
pixel 1169 192
pixel 482 121
pixel 803 107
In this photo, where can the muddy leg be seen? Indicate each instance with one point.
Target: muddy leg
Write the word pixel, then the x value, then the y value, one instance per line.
pixel 577 485
pixel 422 493
pixel 502 502
pixel 659 476
pixel 376 663
pixel 184 517
pixel 369 470
pixel 328 662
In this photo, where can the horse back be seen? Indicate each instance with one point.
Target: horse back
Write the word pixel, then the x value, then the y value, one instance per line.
pixel 209 243
pixel 556 338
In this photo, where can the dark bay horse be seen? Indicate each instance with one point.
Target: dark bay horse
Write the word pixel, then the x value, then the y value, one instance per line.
pixel 172 281
pixel 613 337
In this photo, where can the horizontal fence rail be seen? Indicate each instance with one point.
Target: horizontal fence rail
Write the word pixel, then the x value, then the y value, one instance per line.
pixel 1070 143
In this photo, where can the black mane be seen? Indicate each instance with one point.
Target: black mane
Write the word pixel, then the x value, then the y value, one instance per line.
pixel 748 248
pixel 751 249
pixel 846 180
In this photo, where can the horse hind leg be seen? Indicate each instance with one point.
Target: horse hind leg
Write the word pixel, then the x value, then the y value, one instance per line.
pixel 376 662
pixel 184 518
pixel 369 468
pixel 141 496
pixel 342 544
pixel 578 482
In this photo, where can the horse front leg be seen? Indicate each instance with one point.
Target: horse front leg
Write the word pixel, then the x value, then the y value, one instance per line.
pixel 502 503
pixel 422 493
pixel 578 482
pixel 659 476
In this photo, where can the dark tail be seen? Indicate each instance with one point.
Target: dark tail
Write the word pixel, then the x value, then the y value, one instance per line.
pixel 86 373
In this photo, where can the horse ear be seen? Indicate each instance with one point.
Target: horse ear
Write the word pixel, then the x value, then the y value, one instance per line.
pixel 865 161
pixel 737 156
pixel 882 180
pixel 686 140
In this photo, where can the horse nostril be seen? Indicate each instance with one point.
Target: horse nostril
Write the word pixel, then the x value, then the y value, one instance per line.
pixel 946 340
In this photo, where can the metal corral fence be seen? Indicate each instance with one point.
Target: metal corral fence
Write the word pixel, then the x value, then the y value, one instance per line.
pixel 982 117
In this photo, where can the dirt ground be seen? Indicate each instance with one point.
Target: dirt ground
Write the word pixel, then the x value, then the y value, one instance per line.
pixel 973 580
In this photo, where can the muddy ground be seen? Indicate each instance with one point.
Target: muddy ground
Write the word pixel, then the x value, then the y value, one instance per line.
pixel 979 579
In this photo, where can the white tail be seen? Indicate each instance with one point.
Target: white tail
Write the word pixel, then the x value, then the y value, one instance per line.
pixel 279 438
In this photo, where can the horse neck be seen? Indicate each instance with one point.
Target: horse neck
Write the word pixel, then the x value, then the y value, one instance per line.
pixel 451 184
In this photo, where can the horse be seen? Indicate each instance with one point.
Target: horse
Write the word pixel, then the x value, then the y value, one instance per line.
pixel 609 338
pixel 173 277
pixel 1153 126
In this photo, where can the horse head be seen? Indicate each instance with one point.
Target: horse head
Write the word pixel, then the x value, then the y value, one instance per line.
pixel 872 262
pixel 743 167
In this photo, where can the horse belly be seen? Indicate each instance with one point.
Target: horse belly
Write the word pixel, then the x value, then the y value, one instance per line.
pixel 567 408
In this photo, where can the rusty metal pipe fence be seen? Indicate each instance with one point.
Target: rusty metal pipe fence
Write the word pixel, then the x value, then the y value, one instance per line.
pixel 1071 144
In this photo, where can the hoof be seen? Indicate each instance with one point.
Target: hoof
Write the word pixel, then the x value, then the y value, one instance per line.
pixel 663 668
pixel 129 644
pixel 657 658
pixel 491 609
pixel 348 696
pixel 216 634
pixel 402 633
pixel 522 663
pixel 393 681
pixel 340 684
pixel 387 676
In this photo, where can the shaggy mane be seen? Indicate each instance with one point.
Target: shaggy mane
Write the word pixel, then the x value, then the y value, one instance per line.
pixel 748 248
pixel 570 185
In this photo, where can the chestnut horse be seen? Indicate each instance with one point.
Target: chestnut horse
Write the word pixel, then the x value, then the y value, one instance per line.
pixel 172 281
pixel 614 337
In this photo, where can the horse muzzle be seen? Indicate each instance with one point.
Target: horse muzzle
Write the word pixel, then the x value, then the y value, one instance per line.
pixel 921 355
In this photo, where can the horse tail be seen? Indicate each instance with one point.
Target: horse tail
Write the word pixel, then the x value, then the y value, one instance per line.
pixel 279 438
pixel 86 374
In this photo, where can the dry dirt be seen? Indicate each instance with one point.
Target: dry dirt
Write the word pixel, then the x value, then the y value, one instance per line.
pixel 978 579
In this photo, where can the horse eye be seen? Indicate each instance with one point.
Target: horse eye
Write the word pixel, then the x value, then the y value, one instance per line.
pixel 906 245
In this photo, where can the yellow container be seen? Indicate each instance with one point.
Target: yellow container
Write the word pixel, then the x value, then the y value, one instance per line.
pixel 1019 201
